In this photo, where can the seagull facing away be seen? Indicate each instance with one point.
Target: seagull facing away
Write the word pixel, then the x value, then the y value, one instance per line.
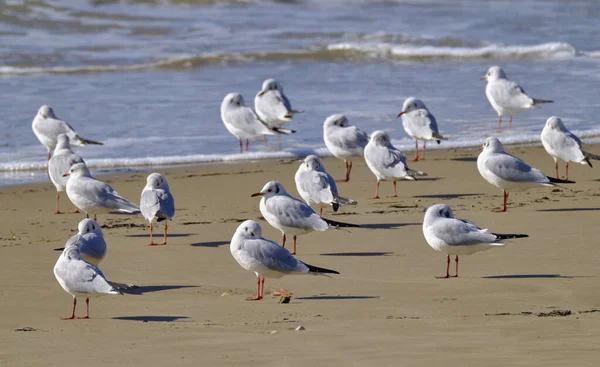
pixel 89 241
pixel 559 142
pixel 454 236
pixel 290 215
pixel 93 196
pixel 508 172
pixel 157 203
pixel 419 124
pixel 386 162
pixel 61 162
pixel 506 96
pixel 344 141
pixel 271 104
pixel 243 123
pixel 317 187
pixel 266 258
pixel 80 278
pixel 47 127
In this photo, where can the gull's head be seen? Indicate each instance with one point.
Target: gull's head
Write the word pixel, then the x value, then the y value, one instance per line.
pixel 62 142
pixel 157 181
pixel 492 145
pixel 337 120
pixel 46 112
pixel 270 84
pixel 494 73
pixel 77 170
pixel 89 226
pixel 555 123
pixel 380 138
pixel 437 211
pixel 412 104
pixel 271 188
pixel 313 163
pixel 233 100
pixel 249 230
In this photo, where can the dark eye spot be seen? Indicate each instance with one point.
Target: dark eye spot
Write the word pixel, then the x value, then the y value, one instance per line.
pixel 269 190
pixel 277 189
pixel 246 229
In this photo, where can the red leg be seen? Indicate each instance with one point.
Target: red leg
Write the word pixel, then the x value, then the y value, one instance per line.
pixel 499 123
pixel 294 252
pixel 567 168
pixel 246 145
pixel 321 212
pixel 258 293
pixel 262 287
pixel 48 155
pixel 424 145
pixel 456 261
pixel 376 191
pixel 72 312
pixel 395 194
pixel 283 241
pixel 76 211
pixel 556 167
pixel 151 239
pixel 347 174
pixel 165 235
pixel 95 218
pixel 87 215
pixel 510 123
pixel 416 158
pixel 57 199
pixel 447 268
pixel 241 146
pixel 87 310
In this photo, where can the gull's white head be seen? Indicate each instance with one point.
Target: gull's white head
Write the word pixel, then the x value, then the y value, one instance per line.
pixel 412 104
pixel 233 100
pixel 46 112
pixel 89 226
pixel 249 230
pixel 437 211
pixel 157 181
pixel 78 170
pixel 380 138
pixel 270 84
pixel 492 145
pixel 494 73
pixel 555 123
pixel 271 188
pixel 313 163
pixel 62 142
pixel 337 120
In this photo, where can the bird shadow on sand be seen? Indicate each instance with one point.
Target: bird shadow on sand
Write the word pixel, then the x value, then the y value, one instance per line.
pixel 150 318
pixel 428 179
pixel 174 235
pixel 210 244
pixel 446 196
pixel 465 159
pixel 388 225
pixel 569 210
pixel 143 289
pixel 360 254
pixel 320 298
pixel 531 276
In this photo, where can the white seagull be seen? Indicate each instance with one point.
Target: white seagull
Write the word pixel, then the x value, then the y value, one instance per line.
pixel 317 187
pixel 266 258
pixel 93 196
pixel 271 104
pixel 290 215
pixel 157 202
pixel 344 141
pixel 60 163
pixel 506 96
pixel 419 124
pixel 386 162
pixel 559 142
pixel 508 172
pixel 47 127
pixel 243 123
pixel 89 241
pixel 454 236
pixel 80 278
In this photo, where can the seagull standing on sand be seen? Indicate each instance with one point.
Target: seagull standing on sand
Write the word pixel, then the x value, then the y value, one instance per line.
pixel 419 124
pixel 559 142
pixel 80 278
pixel 386 162
pixel 61 162
pixel 243 123
pixel 317 187
pixel 93 196
pixel 157 202
pixel 271 104
pixel 266 258
pixel 290 215
pixel 89 241
pixel 344 141
pixel 506 96
pixel 508 172
pixel 47 127
pixel 454 236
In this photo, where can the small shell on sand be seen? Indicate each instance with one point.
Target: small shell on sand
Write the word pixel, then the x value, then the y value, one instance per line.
pixel 300 328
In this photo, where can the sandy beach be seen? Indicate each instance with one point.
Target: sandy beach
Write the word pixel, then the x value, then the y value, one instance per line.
pixel 508 307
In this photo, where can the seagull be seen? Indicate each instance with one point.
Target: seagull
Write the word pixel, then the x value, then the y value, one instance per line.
pixel 93 196
pixel 243 123
pixel 317 187
pixel 344 141
pixel 61 162
pixel 508 172
pixel 506 96
pixel 266 258
pixel 271 104
pixel 80 278
pixel 290 215
pixel 455 236
pixel 157 202
pixel 559 142
pixel 46 126
pixel 419 124
pixel 387 162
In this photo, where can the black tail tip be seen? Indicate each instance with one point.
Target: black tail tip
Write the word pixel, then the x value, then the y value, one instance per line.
pixel 316 269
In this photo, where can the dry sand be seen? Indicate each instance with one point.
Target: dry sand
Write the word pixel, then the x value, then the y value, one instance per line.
pixel 386 308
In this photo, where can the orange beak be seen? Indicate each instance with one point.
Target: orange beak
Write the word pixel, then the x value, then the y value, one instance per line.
pixel 483 77
pixel 400 114
pixel 256 194
pixel 481 148
pixel 262 92
pixel 66 174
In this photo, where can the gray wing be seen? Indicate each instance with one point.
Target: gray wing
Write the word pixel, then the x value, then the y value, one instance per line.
pixel 92 245
pixel 149 204
pixel 61 164
pixel 393 158
pixel 351 137
pixel 422 123
pixel 101 194
pixel 79 276
pixel 273 256
pixel 512 169
pixel 509 94
pixel 294 213
pixel 318 186
pixel 273 107
pixel 167 204
pixel 243 118
pixel 460 232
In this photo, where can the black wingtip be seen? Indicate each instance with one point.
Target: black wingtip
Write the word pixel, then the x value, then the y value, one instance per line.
pixel 335 206
pixel 509 236
pixel 339 224
pixel 438 141
pixel 558 180
pixel 59 249
pixel 316 269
